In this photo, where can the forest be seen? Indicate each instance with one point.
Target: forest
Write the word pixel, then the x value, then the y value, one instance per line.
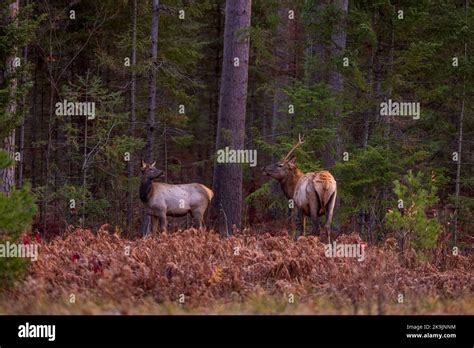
pixel 204 156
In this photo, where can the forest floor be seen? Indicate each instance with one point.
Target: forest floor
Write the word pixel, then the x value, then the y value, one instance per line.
pixel 194 272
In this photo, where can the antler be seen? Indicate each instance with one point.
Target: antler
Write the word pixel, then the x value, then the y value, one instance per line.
pixel 300 141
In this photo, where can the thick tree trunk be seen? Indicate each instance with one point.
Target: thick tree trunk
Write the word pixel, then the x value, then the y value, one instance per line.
pixel 150 137
pixel 227 183
pixel 338 46
pixel 282 54
pixel 336 81
pixel 7 175
pixel 317 48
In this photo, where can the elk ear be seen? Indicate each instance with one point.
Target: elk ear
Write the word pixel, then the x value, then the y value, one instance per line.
pixel 292 162
pixel 143 164
pixel 153 164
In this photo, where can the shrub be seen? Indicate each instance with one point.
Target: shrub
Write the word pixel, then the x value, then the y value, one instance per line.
pixel 16 214
pixel 414 195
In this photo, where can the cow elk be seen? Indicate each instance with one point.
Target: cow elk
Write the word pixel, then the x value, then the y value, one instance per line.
pixel 162 199
pixel 314 194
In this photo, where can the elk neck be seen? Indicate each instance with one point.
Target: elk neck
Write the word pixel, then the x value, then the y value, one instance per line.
pixel 288 184
pixel 145 189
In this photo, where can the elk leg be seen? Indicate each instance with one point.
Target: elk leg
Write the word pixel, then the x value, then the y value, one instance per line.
pixel 154 223
pixel 197 218
pixel 314 207
pixel 315 220
pixel 299 223
pixel 163 222
pixel 329 215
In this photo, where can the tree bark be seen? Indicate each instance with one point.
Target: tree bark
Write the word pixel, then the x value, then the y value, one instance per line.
pixel 336 80
pixel 227 182
pixel 282 54
pixel 150 143
pixel 152 83
pixel 8 174
pixel 133 116
pixel 317 49
pixel 280 99
pixel 460 140
pixel 22 130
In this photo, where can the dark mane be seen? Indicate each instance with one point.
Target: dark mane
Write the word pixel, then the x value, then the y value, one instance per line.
pixel 145 188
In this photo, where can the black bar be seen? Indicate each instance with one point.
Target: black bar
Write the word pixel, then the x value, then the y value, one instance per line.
pixel 261 330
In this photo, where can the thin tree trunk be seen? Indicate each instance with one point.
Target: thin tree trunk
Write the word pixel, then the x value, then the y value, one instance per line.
pixel 133 116
pixel 366 130
pixel 22 127
pixel 22 130
pixel 368 113
pixel 227 182
pixel 280 107
pixel 460 139
pixel 386 119
pixel 34 127
pixel 22 153
pixel 84 173
pixel 7 175
pixel 152 83
pixel 151 98
pixel 50 127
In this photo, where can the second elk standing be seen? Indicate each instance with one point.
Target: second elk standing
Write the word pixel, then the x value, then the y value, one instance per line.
pixel 314 193
pixel 162 199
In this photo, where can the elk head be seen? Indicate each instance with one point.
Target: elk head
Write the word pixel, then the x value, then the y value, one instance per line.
pixel 286 167
pixel 149 171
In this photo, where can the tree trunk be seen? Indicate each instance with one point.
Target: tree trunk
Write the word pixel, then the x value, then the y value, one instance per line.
pixel 232 108
pixel 460 139
pixel 133 116
pixel 22 130
pixel 371 96
pixel 152 83
pixel 317 49
pixel 336 81
pixel 8 174
pixel 280 99
pixel 282 54
pixel 368 116
pixel 150 137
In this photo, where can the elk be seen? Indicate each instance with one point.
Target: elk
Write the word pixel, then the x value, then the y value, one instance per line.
pixel 314 193
pixel 162 199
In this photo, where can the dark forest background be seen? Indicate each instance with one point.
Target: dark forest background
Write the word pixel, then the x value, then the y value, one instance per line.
pixel 319 68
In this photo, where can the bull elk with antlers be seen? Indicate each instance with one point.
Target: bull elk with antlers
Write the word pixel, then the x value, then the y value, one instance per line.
pixel 313 193
pixel 164 200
